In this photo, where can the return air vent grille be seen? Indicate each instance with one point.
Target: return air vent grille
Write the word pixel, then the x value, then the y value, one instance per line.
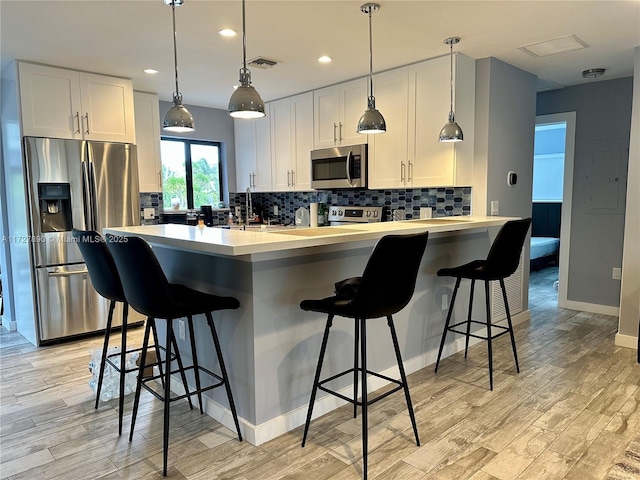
pixel 513 285
pixel 263 62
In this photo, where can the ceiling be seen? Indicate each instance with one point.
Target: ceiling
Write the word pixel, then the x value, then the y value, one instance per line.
pixel 122 38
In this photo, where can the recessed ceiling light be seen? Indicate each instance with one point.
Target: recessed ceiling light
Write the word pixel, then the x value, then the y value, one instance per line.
pixel 150 71
pixel 227 32
pixel 324 59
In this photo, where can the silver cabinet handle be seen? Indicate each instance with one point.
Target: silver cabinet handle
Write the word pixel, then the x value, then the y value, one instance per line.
pixel 77 117
pixel 86 119
pixel 410 171
pixel 288 178
pixel 340 131
pixel 293 178
pixel 250 179
pixel 335 139
pixel 402 171
pixel 67 273
pixel 253 180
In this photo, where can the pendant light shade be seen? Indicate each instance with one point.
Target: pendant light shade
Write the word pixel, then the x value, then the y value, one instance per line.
pixel 245 101
pixel 177 119
pixel 451 132
pixel 372 121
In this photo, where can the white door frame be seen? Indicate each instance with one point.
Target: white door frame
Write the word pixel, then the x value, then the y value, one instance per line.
pixel 569 118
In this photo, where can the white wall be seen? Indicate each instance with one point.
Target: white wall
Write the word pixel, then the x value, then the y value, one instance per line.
pixel 630 288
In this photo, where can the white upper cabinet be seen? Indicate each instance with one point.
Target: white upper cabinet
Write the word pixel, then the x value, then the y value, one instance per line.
pixel 148 141
pixel 291 142
pixel 337 110
pixel 409 154
pixel 61 103
pixel 253 153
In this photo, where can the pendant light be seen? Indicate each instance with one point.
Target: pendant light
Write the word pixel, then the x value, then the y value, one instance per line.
pixel 245 101
pixel 372 120
pixel 177 119
pixel 451 132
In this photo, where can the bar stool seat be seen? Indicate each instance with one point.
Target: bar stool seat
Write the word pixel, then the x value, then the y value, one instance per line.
pixel 149 292
pixel 385 287
pixel 105 279
pixel 501 262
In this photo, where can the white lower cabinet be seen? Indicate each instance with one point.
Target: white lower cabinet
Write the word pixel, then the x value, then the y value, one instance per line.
pixel 147 117
pixel 291 142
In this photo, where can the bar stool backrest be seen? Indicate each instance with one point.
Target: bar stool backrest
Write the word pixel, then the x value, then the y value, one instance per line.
pixel 389 279
pixel 102 269
pixel 145 285
pixel 504 255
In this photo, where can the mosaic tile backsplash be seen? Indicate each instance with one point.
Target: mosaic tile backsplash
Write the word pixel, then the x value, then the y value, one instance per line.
pixel 444 201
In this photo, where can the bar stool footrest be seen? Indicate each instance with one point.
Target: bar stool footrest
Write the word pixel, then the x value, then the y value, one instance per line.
pixel 399 384
pixel 219 379
pixel 452 328
pixel 133 350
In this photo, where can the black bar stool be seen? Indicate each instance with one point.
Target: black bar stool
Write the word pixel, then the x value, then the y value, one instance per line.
pixel 385 288
pixel 105 279
pixel 502 261
pixel 148 291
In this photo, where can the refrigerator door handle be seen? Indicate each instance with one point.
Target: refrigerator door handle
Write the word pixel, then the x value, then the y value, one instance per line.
pixel 66 273
pixel 93 197
pixel 86 195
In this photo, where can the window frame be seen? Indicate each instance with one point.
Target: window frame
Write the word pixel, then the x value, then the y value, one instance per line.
pixel 188 165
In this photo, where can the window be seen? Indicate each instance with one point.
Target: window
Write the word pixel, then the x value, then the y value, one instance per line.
pixel 190 173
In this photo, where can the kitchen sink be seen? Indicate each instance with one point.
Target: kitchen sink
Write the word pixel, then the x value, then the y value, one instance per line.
pixel 316 232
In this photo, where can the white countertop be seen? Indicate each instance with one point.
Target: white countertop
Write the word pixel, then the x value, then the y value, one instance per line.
pixel 233 242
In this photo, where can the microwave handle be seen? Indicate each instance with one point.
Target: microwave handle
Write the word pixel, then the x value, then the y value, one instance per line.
pixel 349 180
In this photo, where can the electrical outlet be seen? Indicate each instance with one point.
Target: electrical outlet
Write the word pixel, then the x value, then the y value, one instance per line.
pixel 495 207
pixel 275 209
pixel 149 213
pixel 616 273
pixel 181 330
pixel 445 301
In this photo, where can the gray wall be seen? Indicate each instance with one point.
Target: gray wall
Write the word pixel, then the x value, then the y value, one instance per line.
pixel 603 126
pixel 217 126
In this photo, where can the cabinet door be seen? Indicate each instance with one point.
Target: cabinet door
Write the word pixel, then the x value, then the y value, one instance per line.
pixel 302 124
pixel 147 118
pixel 245 143
pixel 326 105
pixel 388 160
pixel 281 142
pixel 262 179
pixel 107 108
pixel 353 103
pixel 49 101
pixel 432 161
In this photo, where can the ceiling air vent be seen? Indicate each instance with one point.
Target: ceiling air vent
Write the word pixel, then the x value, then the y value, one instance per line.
pixel 263 62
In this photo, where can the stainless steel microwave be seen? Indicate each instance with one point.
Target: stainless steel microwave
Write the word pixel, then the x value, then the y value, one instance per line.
pixel 339 167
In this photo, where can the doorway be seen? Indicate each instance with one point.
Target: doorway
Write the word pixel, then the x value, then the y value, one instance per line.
pixel 551 198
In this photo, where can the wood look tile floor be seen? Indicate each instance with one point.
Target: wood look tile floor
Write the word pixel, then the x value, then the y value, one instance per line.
pixel 570 414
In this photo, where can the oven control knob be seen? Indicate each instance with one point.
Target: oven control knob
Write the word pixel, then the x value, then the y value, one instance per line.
pixel 333 212
pixel 368 213
pixel 340 212
pixel 375 214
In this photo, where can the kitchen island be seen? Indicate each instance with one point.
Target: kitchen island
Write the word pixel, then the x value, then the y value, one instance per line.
pixel 270 345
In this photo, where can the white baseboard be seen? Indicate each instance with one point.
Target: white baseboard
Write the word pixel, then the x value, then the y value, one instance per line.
pixel 592 308
pixel 259 434
pixel 626 341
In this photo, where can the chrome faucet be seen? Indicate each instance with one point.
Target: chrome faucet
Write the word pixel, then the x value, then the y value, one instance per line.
pixel 248 205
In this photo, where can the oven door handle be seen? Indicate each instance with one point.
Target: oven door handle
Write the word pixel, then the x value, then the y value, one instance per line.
pixel 349 180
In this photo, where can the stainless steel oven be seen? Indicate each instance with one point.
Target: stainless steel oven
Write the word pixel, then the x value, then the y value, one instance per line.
pixel 339 167
pixel 350 215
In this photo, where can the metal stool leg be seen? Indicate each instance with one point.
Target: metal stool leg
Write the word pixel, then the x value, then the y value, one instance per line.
pixel 105 347
pixel 365 407
pixel 446 325
pixel 466 341
pixel 403 377
pixel 513 339
pixel 489 339
pixel 180 368
pixel 123 364
pixel 225 376
pixel 355 369
pixel 143 358
pixel 156 345
pixel 314 390
pixel 196 369
pixel 167 395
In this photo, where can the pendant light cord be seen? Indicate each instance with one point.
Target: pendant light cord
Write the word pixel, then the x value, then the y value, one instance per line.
pixel 451 76
pixel 175 48
pixel 244 41
pixel 370 56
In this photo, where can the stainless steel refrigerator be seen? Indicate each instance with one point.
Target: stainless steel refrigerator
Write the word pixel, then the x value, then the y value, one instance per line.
pixel 86 185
